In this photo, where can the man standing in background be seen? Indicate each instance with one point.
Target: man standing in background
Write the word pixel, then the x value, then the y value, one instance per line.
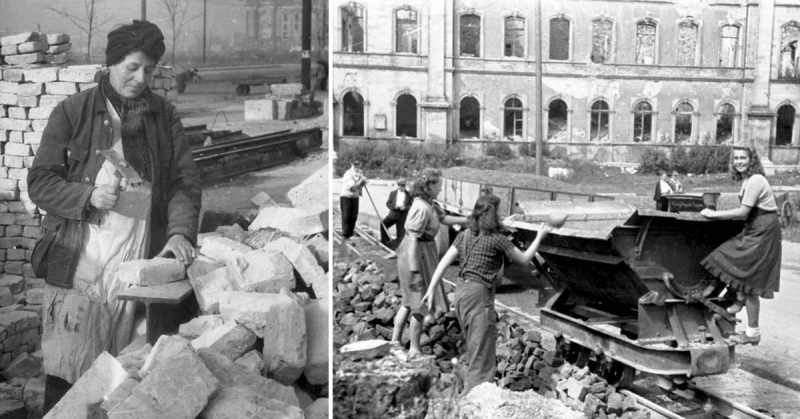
pixel 352 183
pixel 398 203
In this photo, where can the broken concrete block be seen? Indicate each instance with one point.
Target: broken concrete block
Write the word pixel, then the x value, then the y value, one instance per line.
pixel 259 110
pixel 243 403
pixel 119 395
pixel 297 221
pixel 317 322
pixel 105 374
pixel 251 362
pixel 209 280
pixel 230 339
pixel 304 262
pixel 166 347
pixel 262 199
pixel 57 38
pixel 269 315
pixel 148 272
pixel 133 361
pixel 178 386
pixel 312 192
pixel 33 396
pixel 262 271
pixel 200 325
pixel 231 374
pixel 318 409
pixel 234 232
pixel 222 249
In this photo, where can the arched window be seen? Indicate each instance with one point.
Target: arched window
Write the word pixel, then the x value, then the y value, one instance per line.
pixel 406 116
pixel 646 42
pixel 512 118
pixel 785 125
pixel 684 117
pixel 470 40
pixel 352 28
pixel 469 118
pixel 557 123
pixel 602 40
pixel 600 117
pixel 406 25
pixel 728 46
pixel 642 122
pixel 790 56
pixel 725 119
pixel 559 38
pixel 514 36
pixel 687 43
pixel 352 114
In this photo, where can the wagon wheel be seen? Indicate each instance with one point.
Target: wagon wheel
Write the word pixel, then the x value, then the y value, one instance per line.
pixel 242 89
pixel 787 214
pixel 619 375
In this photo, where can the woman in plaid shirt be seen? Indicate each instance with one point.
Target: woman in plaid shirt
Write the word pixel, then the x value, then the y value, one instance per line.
pixel 483 248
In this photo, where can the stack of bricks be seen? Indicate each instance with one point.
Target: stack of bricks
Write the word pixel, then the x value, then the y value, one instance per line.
pixel 163 83
pixel 34 48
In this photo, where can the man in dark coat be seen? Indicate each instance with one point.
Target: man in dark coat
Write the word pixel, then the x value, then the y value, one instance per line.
pixel 398 203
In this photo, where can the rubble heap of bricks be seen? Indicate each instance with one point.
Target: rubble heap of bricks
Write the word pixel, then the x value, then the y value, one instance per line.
pixel 35 48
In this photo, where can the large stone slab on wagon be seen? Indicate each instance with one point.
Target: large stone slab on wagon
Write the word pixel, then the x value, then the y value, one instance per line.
pixel 179 387
pixel 102 378
pixel 231 374
pixel 296 221
pixel 262 271
pixel 243 403
pixel 304 262
pixel 317 321
pixel 280 320
pixel 148 272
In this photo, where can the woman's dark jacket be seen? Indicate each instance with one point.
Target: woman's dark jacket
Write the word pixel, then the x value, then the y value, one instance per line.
pixel 61 179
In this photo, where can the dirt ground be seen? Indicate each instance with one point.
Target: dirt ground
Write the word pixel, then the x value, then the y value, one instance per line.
pixel 214 102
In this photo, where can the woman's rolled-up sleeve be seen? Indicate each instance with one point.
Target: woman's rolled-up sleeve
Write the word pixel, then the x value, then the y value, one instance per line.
pixel 183 191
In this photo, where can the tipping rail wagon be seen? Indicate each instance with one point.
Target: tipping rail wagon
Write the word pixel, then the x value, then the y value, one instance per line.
pixel 630 289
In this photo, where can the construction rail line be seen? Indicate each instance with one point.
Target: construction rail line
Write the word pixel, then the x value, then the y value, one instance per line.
pixel 704 404
pixel 221 156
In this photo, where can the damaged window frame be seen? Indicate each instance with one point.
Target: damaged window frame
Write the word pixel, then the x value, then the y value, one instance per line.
pixel 353 14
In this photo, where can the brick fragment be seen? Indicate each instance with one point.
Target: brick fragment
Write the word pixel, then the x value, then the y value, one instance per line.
pixel 55 49
pixel 32 46
pixel 8 99
pixel 79 73
pixel 262 271
pixel 28 101
pixel 9 50
pixel 304 262
pixel 231 339
pixel 15 149
pixel 200 325
pixel 23 366
pixel 222 249
pixel 296 221
pixel 41 74
pixel 21 59
pixel 148 272
pixel 317 322
pixel 318 409
pixel 243 403
pixel 19 38
pixel 9 87
pixel 57 38
pixel 13 74
pixel 15 124
pixel 49 101
pixel 61 88
pixel 251 361
pixel 209 280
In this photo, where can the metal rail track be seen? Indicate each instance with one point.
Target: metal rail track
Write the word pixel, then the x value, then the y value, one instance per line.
pixel 714 405
pixel 233 155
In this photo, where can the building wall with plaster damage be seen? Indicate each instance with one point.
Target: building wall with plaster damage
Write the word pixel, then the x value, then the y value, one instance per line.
pixel 619 77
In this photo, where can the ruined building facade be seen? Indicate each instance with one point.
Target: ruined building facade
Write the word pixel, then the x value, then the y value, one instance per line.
pixel 619 76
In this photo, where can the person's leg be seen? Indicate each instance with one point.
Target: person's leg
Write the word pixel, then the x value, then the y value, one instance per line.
pixel 387 222
pixel 753 307
pixel 344 205
pixel 353 214
pixel 415 332
pixel 401 226
pixel 476 315
pixel 54 389
pixel 400 324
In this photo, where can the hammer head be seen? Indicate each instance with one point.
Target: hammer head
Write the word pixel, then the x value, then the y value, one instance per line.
pixel 123 167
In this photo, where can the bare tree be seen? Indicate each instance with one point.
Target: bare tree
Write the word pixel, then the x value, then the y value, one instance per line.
pixel 87 22
pixel 176 10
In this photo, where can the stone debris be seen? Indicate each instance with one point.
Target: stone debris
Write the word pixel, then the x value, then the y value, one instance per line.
pixel 262 199
pixel 231 339
pixel 262 271
pixel 252 362
pixel 304 262
pixel 318 409
pixel 148 272
pixel 222 249
pixel 200 325
pixel 296 221
pixel 105 374
pixel 243 403
pixel 209 280
pixel 317 325
pixel 487 401
pixel 311 192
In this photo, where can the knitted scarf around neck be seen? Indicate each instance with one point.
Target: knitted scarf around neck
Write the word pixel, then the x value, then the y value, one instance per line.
pixel 134 137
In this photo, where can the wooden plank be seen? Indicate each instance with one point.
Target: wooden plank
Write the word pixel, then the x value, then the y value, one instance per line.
pixel 172 293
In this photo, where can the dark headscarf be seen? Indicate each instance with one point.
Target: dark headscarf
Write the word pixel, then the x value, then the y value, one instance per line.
pixel 140 35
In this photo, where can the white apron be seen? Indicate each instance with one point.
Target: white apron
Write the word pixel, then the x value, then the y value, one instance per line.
pixel 82 322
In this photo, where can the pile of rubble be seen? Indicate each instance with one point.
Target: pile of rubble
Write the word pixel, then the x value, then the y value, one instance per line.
pixel 259 349
pixel 365 303
pixel 35 48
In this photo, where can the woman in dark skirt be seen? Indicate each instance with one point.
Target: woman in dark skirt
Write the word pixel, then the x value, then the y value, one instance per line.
pixel 750 262
pixel 481 249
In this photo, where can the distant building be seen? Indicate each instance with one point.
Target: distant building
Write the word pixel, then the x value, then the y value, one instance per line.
pixel 278 23
pixel 619 76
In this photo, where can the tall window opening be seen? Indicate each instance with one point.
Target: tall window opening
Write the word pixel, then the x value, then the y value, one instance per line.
pixel 642 122
pixel 406 116
pixel 646 42
pixel 602 40
pixel 785 125
pixel 684 117
pixel 352 28
pixel 512 126
pixel 725 118
pixel 469 118
pixel 407 30
pixel 687 43
pixel 514 37
pixel 353 114
pixel 600 117
pixel 790 59
pixel 557 123
pixel 470 41
pixel 729 46
pixel 559 38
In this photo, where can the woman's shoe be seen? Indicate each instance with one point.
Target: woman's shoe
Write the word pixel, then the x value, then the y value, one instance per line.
pixel 736 307
pixel 744 339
